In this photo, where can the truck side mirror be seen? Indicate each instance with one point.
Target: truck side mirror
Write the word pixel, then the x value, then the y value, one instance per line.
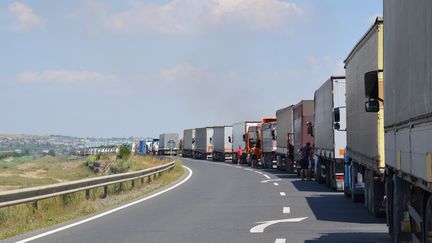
pixel 229 139
pixel 372 106
pixel 273 135
pixel 371 85
pixel 210 140
pixel 310 129
pixel 336 115
pixel 244 138
pixel 337 126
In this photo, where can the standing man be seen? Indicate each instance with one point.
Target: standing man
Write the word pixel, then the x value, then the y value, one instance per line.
pixel 239 154
pixel 304 163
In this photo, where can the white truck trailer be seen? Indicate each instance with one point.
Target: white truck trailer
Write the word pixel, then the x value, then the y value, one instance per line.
pixel 330 132
pixel 269 144
pixel 239 139
pixel 285 139
pixel 168 144
pixel 203 143
pixel 222 141
pixel 188 142
pixel 408 117
pixel 365 131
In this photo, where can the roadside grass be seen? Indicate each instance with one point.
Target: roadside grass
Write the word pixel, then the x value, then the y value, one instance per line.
pixel 15 220
pixel 29 172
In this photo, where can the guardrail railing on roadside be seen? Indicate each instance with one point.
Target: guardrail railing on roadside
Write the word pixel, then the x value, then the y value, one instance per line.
pixel 33 194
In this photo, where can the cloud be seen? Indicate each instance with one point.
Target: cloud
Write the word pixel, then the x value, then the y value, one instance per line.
pixel 325 64
pixel 183 71
pixel 26 19
pixel 185 16
pixel 64 76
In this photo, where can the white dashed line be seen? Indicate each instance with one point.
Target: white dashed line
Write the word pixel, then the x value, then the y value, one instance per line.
pixel 280 240
pixel 276 184
pixel 266 176
pixel 286 210
pixel 283 194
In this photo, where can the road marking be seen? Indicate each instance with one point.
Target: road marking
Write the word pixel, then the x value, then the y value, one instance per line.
pixel 266 176
pixel 248 169
pixel 283 194
pixel 276 184
pixel 107 212
pixel 263 225
pixel 280 240
pixel 286 210
pixel 265 181
pixel 259 172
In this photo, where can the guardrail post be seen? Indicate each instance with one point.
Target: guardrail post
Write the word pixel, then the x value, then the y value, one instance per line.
pixel 35 205
pixel 133 183
pixel 88 194
pixel 149 179
pixel 105 192
pixel 142 180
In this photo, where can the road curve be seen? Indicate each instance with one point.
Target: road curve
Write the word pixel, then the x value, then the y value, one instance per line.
pixel 225 203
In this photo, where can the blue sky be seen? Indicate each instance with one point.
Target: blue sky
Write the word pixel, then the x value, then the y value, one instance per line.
pixel 140 68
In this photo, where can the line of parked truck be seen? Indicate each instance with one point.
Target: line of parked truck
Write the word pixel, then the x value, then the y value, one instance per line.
pixel 371 129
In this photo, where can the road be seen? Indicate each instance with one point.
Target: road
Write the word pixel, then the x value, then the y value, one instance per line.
pixel 224 203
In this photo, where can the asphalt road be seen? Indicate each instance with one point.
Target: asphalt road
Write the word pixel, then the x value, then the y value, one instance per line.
pixel 224 203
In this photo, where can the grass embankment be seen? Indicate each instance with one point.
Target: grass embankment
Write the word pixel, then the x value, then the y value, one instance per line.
pixel 22 218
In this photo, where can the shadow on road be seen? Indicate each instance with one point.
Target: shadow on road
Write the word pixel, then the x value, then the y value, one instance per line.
pixel 337 208
pixel 352 237
pixel 311 186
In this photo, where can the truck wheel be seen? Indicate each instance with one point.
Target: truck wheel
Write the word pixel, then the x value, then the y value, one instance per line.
pixel 427 236
pixel 347 193
pixel 366 190
pixel 399 190
pixel 328 174
pixel 354 196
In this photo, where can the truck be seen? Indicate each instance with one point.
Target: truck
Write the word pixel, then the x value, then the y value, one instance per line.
pixel 303 117
pixel 330 132
pixel 239 139
pixel 405 97
pixel 155 146
pixel 365 131
pixel 203 143
pixel 188 142
pixel 168 144
pixel 285 139
pixel 269 130
pixel 142 147
pixel 222 141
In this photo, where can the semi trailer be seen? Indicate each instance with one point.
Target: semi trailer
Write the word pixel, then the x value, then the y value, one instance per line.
pixel 222 141
pixel 303 117
pixel 269 144
pixel 407 123
pixel 285 139
pixel 188 142
pixel 239 139
pixel 365 131
pixel 203 143
pixel 168 144
pixel 330 132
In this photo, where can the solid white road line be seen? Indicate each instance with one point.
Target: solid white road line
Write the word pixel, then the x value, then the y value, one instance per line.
pixel 262 225
pixel 286 210
pixel 283 194
pixel 276 184
pixel 259 172
pixel 107 212
pixel 265 181
pixel 266 176
pixel 280 240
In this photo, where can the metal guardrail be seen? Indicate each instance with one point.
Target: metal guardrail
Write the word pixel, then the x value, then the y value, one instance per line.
pixel 33 194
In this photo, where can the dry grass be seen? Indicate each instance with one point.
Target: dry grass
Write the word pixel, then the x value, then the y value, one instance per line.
pixel 22 218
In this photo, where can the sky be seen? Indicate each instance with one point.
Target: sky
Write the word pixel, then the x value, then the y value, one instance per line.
pixel 108 68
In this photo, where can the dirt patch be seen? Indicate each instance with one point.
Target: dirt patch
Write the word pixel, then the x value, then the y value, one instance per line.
pixel 71 165
pixel 6 188
pixel 26 166
pixel 34 174
pixel 8 160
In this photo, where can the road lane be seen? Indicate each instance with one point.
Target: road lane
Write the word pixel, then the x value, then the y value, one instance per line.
pixel 222 203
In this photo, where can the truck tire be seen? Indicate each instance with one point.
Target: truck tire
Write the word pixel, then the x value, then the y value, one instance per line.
pixel 354 197
pixel 399 190
pixel 427 233
pixel 367 190
pixel 328 174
